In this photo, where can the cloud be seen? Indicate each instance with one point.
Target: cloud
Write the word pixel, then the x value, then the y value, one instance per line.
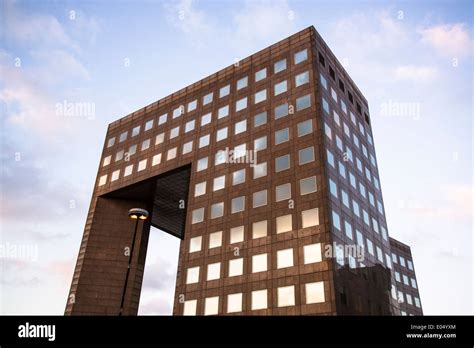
pixel 155 306
pixel 449 40
pixel 416 73
pixel 160 275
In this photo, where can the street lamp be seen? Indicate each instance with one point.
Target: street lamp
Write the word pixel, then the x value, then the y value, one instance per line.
pixel 134 214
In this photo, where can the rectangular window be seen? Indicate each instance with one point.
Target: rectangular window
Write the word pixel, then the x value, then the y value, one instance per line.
pixel 260 143
pixel 241 104
pixel 305 128
pixel 192 105
pixel 178 111
pixel 261 74
pixel 284 223
pixel 242 83
pixel 238 204
pixel 202 164
pixel 206 119
pixel 281 111
pixel 200 189
pixel 195 244
pixel 259 299
pixel 111 142
pixel 301 79
pixel 204 141
pixel 279 66
pixel 234 303
pixel 135 131
pixel 142 165
pixel 238 177
pixel 240 127
pixel 260 170
pixel 312 253
pixel 310 217
pixel 236 267
pixel 259 229
pixel 217 210
pixel 221 134
pixel 213 271
pixel 285 258
pixel 156 160
pixel 192 275
pixel 308 185
pixel 282 163
pixel 237 234
pixel 198 215
pixel 260 119
pixel 280 87
pixel 123 137
pixel 174 132
pixel 162 119
pixel 259 199
pixel 260 96
pixel 303 102
pixel 286 296
pixel 259 263
pixel 301 56
pixel 281 136
pixel 224 91
pixel 282 192
pixel 223 112
pixel 219 183
pixel 306 155
pixel 148 125
pixel 314 292
pixel 211 305
pixel 207 99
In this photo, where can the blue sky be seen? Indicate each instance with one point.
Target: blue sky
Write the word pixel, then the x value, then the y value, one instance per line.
pixel 124 56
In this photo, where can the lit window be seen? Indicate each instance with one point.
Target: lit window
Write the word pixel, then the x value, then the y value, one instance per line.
pixel 238 204
pixel 282 163
pixel 241 104
pixel 207 99
pixel 156 159
pixel 259 263
pixel 305 128
pixel 282 192
pixel 284 223
pixel 128 170
pixel 174 132
pixel 301 56
pixel 234 303
pixel 217 210
pixel 236 267
pixel 202 164
pixel 260 143
pixel 206 119
pixel 259 198
pixel 198 215
pixel 242 83
pixel 303 102
pixel 280 87
pixel 314 292
pixel 312 253
pixel 279 66
pixel 162 119
pixel 286 296
pixel 102 180
pixel 238 177
pixel 141 165
pixel 260 119
pixel 213 271
pixel 259 299
pixel 237 234
pixel 282 136
pixel 219 183
pixel 224 91
pixel 281 111
pixel 111 142
pixel 171 154
pixel 306 155
pixel 106 161
pixel 260 96
pixel 160 138
pixel 215 239
pixel 301 79
pixel 310 217
pixel 204 141
pixel 261 74
pixel 195 244
pixel 259 229
pixel 221 134
pixel 190 307
pixel 240 127
pixel 192 105
pixel 200 189
pixel 189 126
pixel 192 275
pixel 308 185
pixel 285 258
pixel 223 112
pixel 211 305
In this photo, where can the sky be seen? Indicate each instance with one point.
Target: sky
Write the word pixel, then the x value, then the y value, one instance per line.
pixel 413 61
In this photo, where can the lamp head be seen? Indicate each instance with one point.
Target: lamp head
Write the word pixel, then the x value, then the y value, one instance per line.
pixel 138 213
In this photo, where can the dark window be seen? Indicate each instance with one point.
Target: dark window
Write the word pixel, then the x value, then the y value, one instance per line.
pixel 367 118
pixel 333 75
pixel 321 60
pixel 351 99
pixel 341 85
pixel 359 110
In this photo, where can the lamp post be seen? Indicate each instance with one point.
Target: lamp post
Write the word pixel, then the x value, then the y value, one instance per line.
pixel 134 214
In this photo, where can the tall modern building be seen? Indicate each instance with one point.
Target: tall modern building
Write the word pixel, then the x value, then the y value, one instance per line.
pixel 267 172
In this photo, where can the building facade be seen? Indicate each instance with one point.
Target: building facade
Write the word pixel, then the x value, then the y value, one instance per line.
pixel 267 172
